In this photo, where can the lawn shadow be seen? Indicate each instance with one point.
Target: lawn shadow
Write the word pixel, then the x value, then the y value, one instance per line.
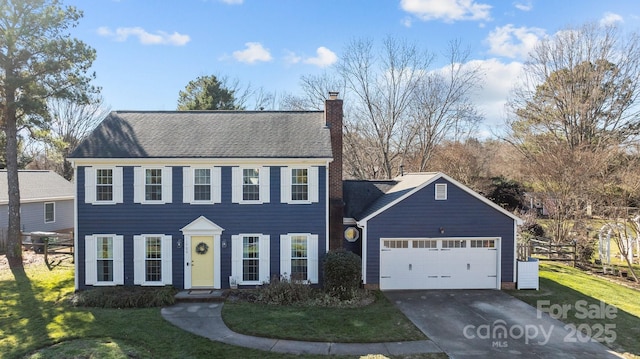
pixel 604 322
pixel 26 319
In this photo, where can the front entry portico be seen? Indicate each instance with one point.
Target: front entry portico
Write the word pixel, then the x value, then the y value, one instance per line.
pixel 202 254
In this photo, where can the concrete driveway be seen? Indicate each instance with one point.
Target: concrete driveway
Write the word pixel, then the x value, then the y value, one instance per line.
pixel 492 324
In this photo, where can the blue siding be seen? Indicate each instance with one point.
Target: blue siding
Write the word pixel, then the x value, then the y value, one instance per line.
pixel 420 215
pixel 129 219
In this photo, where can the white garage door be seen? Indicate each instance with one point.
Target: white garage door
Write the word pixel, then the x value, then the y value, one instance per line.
pixel 439 263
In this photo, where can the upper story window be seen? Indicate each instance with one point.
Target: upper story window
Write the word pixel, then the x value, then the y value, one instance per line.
pixel 49 212
pixel 152 259
pixel 103 185
pixel 152 185
pixel 250 185
pixel 299 185
pixel 201 185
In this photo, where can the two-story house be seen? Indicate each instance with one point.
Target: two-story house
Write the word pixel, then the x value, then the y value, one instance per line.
pixel 204 199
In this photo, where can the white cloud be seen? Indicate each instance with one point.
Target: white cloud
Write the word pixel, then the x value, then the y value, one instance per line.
pixel 447 10
pixel 610 18
pixel 253 53
pixel 499 79
pixel 291 57
pixel 513 42
pixel 523 5
pixel 233 2
pixel 159 38
pixel 324 58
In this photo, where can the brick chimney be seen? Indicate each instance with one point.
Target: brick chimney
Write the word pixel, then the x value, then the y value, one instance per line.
pixel 333 119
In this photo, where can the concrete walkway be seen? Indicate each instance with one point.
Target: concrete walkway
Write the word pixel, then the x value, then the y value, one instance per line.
pixel 205 319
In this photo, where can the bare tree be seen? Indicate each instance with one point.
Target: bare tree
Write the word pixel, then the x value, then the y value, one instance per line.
pixel 442 108
pixel 70 123
pixel 315 90
pixel 575 106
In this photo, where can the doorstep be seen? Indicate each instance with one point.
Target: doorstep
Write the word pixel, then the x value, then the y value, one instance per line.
pixel 201 295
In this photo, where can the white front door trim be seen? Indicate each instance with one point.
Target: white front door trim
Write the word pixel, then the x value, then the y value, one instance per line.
pixel 202 227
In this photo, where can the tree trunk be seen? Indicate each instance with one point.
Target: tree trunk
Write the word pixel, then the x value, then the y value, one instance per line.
pixel 14 238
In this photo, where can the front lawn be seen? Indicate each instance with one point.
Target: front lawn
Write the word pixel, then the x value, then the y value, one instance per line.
pixel 377 322
pixel 580 293
pixel 37 321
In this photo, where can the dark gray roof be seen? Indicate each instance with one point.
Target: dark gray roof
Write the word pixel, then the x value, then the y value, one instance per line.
pixel 358 195
pixel 209 134
pixel 37 186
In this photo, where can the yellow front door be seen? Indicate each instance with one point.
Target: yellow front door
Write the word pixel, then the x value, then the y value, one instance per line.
pixel 202 261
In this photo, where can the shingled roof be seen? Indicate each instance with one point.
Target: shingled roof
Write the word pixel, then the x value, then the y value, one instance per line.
pixel 37 186
pixel 208 134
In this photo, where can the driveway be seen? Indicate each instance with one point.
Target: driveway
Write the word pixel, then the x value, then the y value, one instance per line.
pixel 492 324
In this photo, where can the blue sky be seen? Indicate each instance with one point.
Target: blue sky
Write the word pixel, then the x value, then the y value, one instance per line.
pixel 148 50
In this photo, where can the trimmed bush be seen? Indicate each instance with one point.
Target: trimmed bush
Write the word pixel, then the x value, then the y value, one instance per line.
pixel 342 274
pixel 282 291
pixel 125 297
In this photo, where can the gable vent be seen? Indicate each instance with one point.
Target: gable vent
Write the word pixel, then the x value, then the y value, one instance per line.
pixel 441 191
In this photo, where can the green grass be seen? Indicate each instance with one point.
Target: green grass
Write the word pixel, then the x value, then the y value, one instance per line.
pixel 377 322
pixel 565 285
pixel 36 321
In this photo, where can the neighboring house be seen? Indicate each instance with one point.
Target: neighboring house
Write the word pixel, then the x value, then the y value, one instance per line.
pixel 46 201
pixel 204 199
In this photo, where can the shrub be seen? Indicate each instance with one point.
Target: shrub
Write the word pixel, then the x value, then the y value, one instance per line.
pixel 342 274
pixel 125 297
pixel 585 248
pixel 282 291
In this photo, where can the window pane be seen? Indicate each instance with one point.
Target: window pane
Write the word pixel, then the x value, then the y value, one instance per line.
pixel 299 250
pixel 299 184
pixel 250 184
pixel 105 259
pixel 153 184
pixel 104 185
pixel 202 184
pixel 250 259
pixel 49 214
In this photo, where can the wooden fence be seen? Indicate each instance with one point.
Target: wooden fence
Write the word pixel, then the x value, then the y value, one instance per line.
pixel 543 249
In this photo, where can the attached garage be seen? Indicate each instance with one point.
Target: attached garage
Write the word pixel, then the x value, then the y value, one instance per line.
pixel 439 263
pixel 428 231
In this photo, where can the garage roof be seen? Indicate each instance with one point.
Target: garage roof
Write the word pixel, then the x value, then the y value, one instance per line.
pixel 37 186
pixel 410 183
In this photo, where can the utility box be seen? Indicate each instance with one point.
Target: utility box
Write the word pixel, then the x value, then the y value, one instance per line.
pixel 528 277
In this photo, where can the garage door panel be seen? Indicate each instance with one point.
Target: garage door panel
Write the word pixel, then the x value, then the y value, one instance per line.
pixel 454 264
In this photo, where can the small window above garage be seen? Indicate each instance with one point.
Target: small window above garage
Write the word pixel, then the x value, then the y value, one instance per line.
pixel 441 191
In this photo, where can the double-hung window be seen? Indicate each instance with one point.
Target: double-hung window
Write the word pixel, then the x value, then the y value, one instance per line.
pixel 201 185
pixel 152 185
pixel 250 185
pixel 152 259
pixel 49 212
pixel 299 185
pixel 104 259
pixel 299 256
pixel 250 258
pixel 103 185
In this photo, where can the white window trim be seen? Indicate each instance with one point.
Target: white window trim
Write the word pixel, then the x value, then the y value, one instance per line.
pixel 441 192
pixel 139 257
pixel 264 258
pixel 312 184
pixel 139 184
pixel 91 268
pixel 54 212
pixel 312 256
pixel 188 183
pixel 90 183
pixel 264 174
